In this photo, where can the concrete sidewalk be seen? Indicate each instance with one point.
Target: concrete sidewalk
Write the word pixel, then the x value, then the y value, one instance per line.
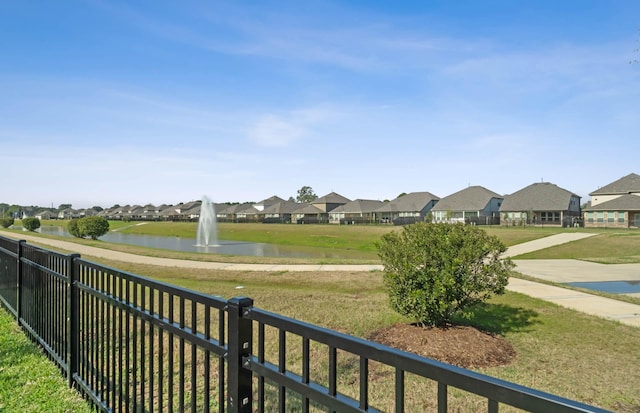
pixel 551 270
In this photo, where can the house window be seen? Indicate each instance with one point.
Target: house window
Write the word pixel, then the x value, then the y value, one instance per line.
pixel 610 217
pixel 600 216
pixel 589 216
pixel 620 216
pixel 549 216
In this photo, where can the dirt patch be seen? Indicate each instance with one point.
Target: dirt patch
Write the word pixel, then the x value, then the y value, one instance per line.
pixel 462 346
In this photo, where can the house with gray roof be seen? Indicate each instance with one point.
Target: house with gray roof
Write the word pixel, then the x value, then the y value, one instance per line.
pixel 266 203
pixel 46 214
pixel 68 213
pixel 615 205
pixel 309 214
pixel 280 213
pixel 541 203
pixel 359 211
pixel 238 213
pixel 407 209
pixel 474 205
pixel 329 202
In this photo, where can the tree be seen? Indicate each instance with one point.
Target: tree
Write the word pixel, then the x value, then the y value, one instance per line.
pixel 434 271
pixel 93 226
pixel 31 224
pixel 7 222
pixel 72 227
pixel 306 194
pixel 64 206
pixel 97 208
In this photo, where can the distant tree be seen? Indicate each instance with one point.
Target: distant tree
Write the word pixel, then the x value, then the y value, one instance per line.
pixel 434 271
pixel 306 194
pixel 64 206
pixel 7 222
pixel 401 195
pixel 31 224
pixel 97 208
pixel 115 206
pixel 291 199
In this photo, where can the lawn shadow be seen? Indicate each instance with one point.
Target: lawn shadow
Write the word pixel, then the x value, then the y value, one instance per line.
pixel 500 318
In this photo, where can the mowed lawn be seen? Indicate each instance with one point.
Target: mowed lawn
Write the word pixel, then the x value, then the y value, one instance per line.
pixel 558 350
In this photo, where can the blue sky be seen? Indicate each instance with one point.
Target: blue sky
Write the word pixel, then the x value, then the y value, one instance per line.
pixel 135 102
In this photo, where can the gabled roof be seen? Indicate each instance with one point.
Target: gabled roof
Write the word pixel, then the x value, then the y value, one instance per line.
pixel 540 196
pixel 412 202
pixel 358 206
pixel 284 207
pixel 473 198
pixel 625 185
pixel 270 201
pixel 331 198
pixel 308 209
pixel 625 202
pixel 245 208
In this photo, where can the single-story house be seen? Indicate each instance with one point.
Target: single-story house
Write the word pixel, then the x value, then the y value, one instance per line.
pixel 615 205
pixel 329 202
pixel 46 215
pixel 238 213
pixel 309 214
pixel 541 203
pixel 266 203
pixel 474 205
pixel 407 209
pixel 359 211
pixel 279 213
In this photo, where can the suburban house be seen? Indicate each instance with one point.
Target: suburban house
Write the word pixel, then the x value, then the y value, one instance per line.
pixel 475 204
pixel 309 214
pixel 359 211
pixel 238 213
pixel 46 215
pixel 279 213
pixel 540 203
pixel 615 205
pixel 329 202
pixel 264 204
pixel 68 213
pixel 407 208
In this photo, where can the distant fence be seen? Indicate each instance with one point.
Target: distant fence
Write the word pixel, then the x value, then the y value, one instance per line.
pixel 132 344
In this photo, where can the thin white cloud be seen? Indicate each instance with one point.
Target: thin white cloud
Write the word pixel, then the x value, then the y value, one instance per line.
pixel 271 130
pixel 279 131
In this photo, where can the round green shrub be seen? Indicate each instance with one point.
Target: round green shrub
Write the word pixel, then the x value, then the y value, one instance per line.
pixel 93 226
pixel 7 222
pixel 433 271
pixel 31 224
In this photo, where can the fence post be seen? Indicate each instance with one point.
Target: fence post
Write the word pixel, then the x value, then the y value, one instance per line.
pixel 19 281
pixel 240 344
pixel 73 319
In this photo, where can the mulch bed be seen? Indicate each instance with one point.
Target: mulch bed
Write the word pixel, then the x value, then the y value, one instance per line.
pixel 462 346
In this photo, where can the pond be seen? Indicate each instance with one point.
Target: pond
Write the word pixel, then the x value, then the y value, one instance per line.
pixel 189 245
pixel 613 287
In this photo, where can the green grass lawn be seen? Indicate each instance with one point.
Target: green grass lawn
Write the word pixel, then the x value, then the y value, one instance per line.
pixel 29 381
pixel 608 247
pixel 560 351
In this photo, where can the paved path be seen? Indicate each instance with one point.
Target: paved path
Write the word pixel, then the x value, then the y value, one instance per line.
pixel 552 270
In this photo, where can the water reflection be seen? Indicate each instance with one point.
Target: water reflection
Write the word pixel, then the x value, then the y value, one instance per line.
pixel 189 245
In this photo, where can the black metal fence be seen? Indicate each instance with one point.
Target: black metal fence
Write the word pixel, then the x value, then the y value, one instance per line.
pixel 132 344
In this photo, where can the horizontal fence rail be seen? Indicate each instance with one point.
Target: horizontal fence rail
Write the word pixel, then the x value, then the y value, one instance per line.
pixel 132 344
